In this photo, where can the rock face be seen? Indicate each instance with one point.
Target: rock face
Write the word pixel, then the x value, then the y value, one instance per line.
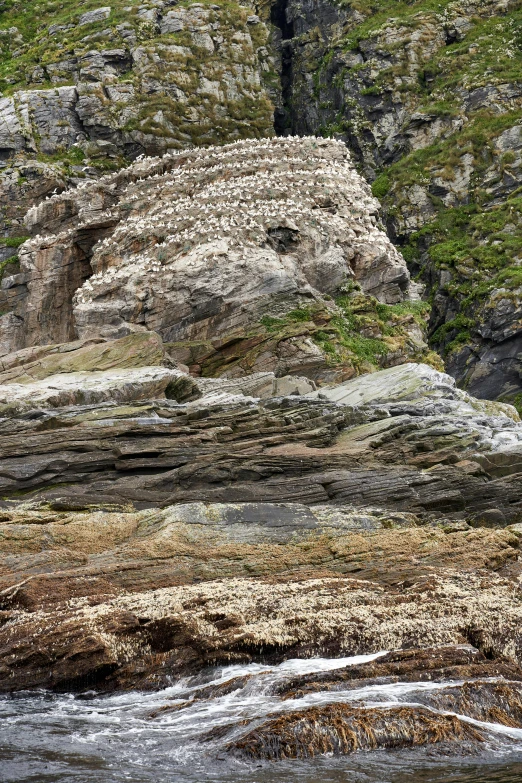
pixel 142 349
pixel 223 438
pixel 404 439
pixel 107 85
pixel 435 123
pixel 151 88
pixel 431 116
pixel 154 524
pixel 205 585
pixel 246 244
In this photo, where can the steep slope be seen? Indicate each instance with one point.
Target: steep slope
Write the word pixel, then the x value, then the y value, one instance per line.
pixel 429 98
pixel 88 89
pixel 217 404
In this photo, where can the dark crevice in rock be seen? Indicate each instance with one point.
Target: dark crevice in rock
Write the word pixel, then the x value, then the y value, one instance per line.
pixel 85 682
pixel 281 239
pixel 283 120
pixel 478 639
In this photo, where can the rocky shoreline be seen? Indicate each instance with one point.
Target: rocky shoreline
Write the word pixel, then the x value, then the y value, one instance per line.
pixel 212 470
pixel 96 594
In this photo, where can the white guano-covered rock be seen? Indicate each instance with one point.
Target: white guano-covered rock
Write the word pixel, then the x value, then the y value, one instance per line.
pixel 408 383
pixel 416 399
pixel 225 232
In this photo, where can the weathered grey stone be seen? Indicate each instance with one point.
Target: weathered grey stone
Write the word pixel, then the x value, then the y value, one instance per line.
pixel 226 445
pixel 88 388
pixel 59 28
pixel 172 22
pixel 98 15
pixel 141 349
pixel 408 383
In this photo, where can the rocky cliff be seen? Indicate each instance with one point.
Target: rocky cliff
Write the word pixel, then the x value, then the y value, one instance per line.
pixel 426 98
pixel 224 439
pixel 122 485
pixel 254 256
pixel 429 99
pixel 86 90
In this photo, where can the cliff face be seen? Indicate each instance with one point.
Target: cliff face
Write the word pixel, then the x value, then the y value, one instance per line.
pixel 153 524
pixel 217 402
pixel 429 99
pixel 122 81
pixel 86 90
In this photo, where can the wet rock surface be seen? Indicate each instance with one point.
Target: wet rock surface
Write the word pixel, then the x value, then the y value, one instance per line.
pixel 339 730
pixel 93 630
pixel 249 522
pixel 461 662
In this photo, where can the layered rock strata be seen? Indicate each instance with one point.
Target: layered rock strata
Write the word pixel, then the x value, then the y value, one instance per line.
pixel 319 484
pixel 123 601
pixel 252 520
pixel 404 438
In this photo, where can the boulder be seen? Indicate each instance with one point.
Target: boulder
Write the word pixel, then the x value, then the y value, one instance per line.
pixel 412 383
pixel 97 15
pixel 88 388
pixel 139 349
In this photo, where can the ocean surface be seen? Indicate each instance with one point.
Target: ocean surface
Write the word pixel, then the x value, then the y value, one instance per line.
pixel 49 738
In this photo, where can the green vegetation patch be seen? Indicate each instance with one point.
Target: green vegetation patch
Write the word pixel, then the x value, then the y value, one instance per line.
pixel 367 332
pixel 11 266
pixel 362 334
pixel 357 335
pixel 12 241
pixel 481 249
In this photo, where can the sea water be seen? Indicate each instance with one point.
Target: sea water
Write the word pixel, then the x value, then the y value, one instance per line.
pixel 51 738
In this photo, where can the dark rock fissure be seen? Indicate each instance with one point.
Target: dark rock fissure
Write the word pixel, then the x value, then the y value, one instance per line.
pixel 283 115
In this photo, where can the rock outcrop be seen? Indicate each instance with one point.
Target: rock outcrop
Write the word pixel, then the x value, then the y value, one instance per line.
pixel 223 521
pixel 223 437
pixel 404 439
pixel 139 81
pixel 98 89
pixel 234 255
pixel 120 600
pixel 339 729
pixel 428 101
pixel 155 523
